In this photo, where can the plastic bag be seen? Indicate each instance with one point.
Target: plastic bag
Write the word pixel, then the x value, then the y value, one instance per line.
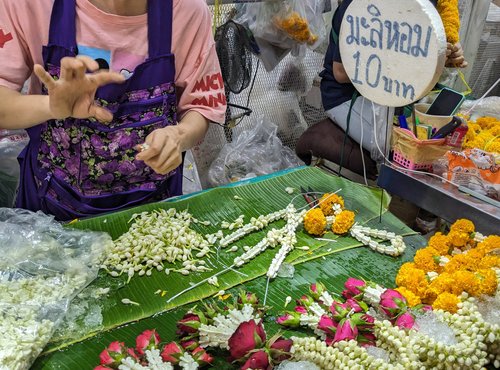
pixel 489 106
pixel 11 144
pixel 42 267
pixel 302 21
pixel 254 152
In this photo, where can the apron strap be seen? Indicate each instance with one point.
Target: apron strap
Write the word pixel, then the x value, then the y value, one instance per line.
pixel 63 24
pixel 160 17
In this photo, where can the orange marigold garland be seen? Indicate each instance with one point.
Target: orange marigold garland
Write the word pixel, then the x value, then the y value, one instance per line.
pixel 343 222
pixel 451 265
pixel 315 222
pixel 448 10
pixel 330 202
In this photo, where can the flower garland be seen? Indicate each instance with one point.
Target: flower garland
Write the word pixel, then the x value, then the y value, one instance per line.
pixel 449 265
pixel 332 214
pixel 297 27
pixel 484 134
pixel 448 10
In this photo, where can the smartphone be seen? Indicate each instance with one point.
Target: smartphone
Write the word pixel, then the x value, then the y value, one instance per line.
pixel 446 103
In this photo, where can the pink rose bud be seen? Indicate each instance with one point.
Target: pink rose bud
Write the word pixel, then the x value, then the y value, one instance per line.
pixel 301 309
pixel 352 304
pixel 405 321
pixel 171 353
pixel 290 320
pixel 367 339
pixel 257 361
pixel 305 301
pixel 201 356
pixel 246 338
pixel 339 310
pixel 100 367
pixel 392 303
pixel 149 339
pixel 248 298
pixel 354 286
pixel 316 290
pixel 113 354
pixel 189 324
pixel 280 350
pixel 189 344
pixel 364 322
pixel 346 331
pixel 327 324
pixel 329 340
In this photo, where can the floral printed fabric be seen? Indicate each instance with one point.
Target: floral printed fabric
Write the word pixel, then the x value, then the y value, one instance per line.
pixel 99 159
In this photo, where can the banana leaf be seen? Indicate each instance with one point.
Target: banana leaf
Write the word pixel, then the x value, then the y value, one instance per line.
pixel 258 197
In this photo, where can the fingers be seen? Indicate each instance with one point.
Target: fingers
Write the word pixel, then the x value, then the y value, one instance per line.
pixel 44 76
pixel 104 78
pixel 90 64
pixel 76 68
pixel 100 113
pixel 155 144
pixel 162 153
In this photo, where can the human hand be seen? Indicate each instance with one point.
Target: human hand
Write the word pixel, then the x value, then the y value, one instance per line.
pixel 162 150
pixel 455 56
pixel 73 94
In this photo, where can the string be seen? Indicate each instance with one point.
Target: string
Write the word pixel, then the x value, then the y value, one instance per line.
pixel 482 97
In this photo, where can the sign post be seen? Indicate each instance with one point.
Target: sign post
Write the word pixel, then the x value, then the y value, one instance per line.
pixel 394 51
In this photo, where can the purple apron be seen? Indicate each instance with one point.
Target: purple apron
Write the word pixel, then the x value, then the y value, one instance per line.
pixel 76 168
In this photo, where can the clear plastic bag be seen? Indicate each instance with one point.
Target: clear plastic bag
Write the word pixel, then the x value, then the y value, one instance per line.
pixel 302 21
pixel 42 267
pixel 254 152
pixel 489 106
pixel 11 144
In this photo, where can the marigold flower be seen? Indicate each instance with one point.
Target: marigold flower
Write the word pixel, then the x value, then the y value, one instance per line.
pixel 443 283
pixel 447 302
pixel 448 10
pixel 343 222
pixel 464 281
pixel 460 262
pixel 412 279
pixel 489 244
pixel 463 225
pixel 488 262
pixel 488 282
pixel 441 243
pixel 411 298
pixel 458 238
pixel 426 259
pixel 315 222
pixel 327 201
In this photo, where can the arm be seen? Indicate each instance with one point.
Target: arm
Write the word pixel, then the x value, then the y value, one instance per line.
pixel 166 145
pixel 22 111
pixel 340 74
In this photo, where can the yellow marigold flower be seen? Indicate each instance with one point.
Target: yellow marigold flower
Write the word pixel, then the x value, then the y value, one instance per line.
pixel 488 282
pixel 487 122
pixel 315 222
pixel 489 262
pixel 448 10
pixel 489 244
pixel 443 283
pixel 412 279
pixel 458 239
pixel 463 225
pixel 441 243
pixel 412 299
pixel 327 201
pixel 464 281
pixel 343 222
pixel 460 262
pixel 447 302
pixel 493 147
pixel 425 259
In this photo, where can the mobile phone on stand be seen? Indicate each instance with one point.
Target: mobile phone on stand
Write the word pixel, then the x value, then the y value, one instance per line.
pixel 446 103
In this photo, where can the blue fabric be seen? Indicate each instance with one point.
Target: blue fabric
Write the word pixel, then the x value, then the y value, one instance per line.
pixel 334 93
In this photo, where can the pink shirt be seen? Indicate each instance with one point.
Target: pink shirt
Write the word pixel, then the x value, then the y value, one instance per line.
pixel 120 40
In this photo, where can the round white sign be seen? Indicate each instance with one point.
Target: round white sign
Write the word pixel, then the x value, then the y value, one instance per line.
pixel 393 51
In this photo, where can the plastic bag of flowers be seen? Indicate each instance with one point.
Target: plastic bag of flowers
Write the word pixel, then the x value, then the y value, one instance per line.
pixel 42 268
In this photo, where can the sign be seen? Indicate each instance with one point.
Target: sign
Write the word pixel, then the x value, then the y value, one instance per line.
pixel 393 51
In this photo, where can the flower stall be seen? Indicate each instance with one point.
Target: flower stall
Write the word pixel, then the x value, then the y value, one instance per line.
pixel 262 276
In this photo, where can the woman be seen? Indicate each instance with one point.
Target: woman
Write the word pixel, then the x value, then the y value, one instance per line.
pixel 337 92
pixel 117 109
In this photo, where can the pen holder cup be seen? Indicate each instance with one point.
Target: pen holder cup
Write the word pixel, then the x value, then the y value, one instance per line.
pixel 415 154
pixel 428 119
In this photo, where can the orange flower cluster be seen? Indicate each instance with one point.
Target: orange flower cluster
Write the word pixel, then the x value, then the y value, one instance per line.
pixel 297 28
pixel 329 205
pixel 448 10
pixel 450 265
pixel 484 134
